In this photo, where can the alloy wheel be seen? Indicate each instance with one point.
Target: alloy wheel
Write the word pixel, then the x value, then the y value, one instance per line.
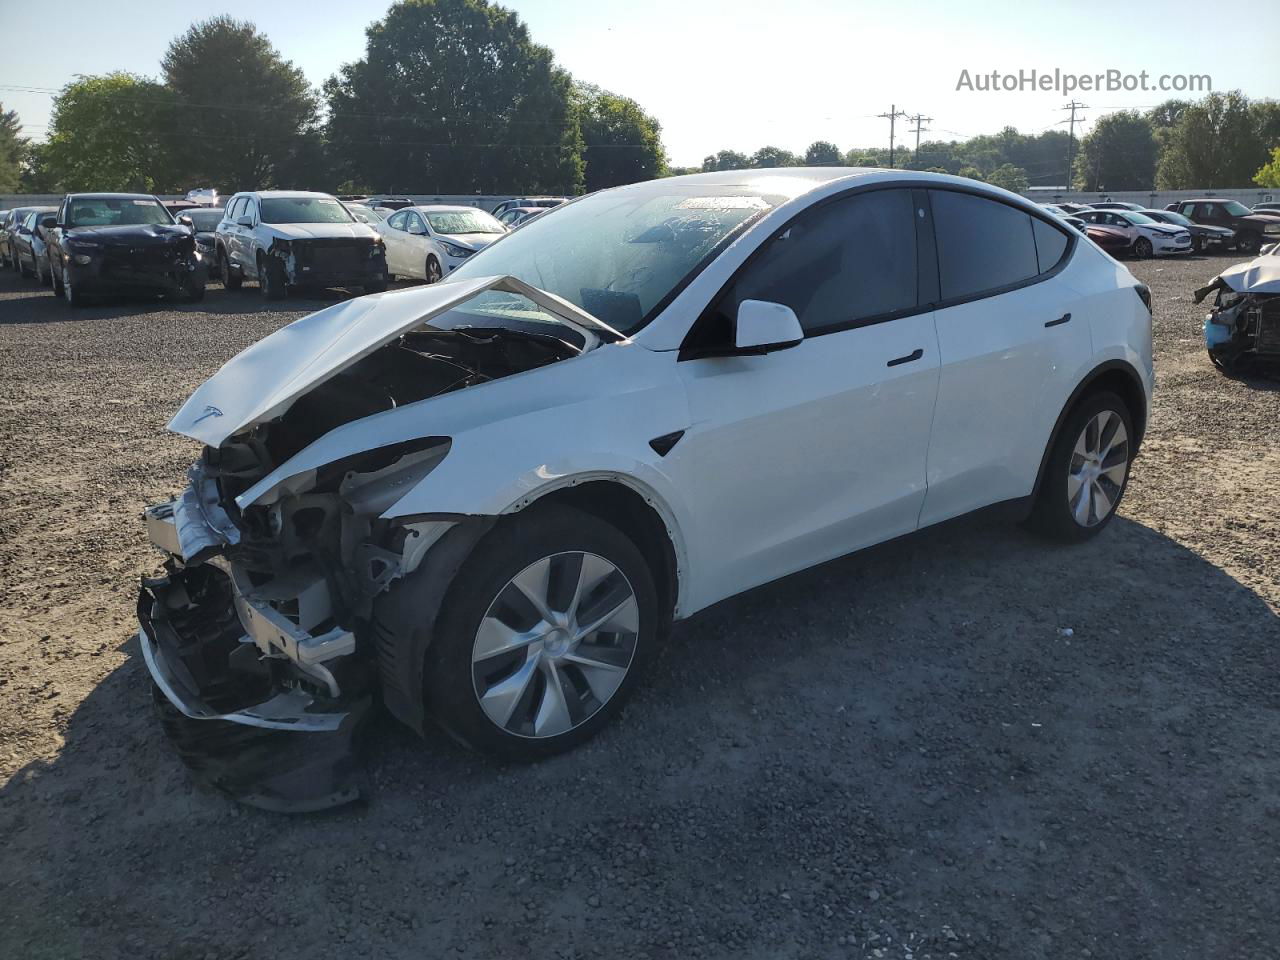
pixel 555 644
pixel 433 270
pixel 1097 470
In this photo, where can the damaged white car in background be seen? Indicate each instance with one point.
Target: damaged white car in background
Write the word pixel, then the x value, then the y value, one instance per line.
pixel 484 501
pixel 1244 322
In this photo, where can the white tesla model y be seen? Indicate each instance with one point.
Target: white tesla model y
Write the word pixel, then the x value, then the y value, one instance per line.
pixel 485 500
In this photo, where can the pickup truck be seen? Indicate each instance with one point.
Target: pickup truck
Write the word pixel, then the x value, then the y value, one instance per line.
pixel 1252 229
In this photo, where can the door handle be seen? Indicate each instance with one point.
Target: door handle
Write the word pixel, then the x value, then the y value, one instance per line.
pixel 915 354
pixel 1062 319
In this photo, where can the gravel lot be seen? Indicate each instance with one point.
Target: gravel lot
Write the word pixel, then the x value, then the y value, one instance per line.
pixel 968 743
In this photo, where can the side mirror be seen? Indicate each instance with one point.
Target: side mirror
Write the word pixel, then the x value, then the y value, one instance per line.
pixel 187 222
pixel 763 327
pixel 244 221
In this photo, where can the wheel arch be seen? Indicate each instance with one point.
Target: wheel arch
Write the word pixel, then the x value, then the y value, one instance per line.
pixel 1116 376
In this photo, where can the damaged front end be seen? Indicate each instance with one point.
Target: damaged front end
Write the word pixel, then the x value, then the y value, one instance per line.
pixel 258 637
pixel 1244 321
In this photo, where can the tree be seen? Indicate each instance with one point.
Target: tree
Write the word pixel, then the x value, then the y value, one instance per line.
pixel 1118 154
pixel 1009 177
pixel 247 114
pixel 453 96
pixel 1167 114
pixel 822 153
pixel 103 135
pixel 973 173
pixel 1268 174
pixel 623 144
pixel 725 160
pixel 13 148
pixel 1216 143
pixel 774 157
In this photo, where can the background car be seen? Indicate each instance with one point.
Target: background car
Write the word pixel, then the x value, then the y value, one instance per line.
pixel 288 239
pixel 1271 207
pixel 390 203
pixel 1147 238
pixel 8 227
pixel 543 202
pixel 1203 236
pixel 204 196
pixel 367 214
pixel 512 217
pixel 204 222
pixel 112 243
pixel 427 243
pixel 1115 205
pixel 1252 229
pixel 1072 208
pixel 1114 240
pixel 30 244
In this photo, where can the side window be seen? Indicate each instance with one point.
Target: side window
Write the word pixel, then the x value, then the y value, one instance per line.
pixel 396 220
pixel 1205 211
pixel 416 226
pixel 982 244
pixel 849 260
pixel 250 209
pixel 1051 244
pixel 236 208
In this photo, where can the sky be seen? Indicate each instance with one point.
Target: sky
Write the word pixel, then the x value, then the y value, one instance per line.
pixel 728 75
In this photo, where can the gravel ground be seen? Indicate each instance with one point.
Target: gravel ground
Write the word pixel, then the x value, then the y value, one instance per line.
pixel 967 743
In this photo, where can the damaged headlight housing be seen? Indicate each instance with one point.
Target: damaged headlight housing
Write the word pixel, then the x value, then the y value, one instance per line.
pixel 453 250
pixel 377 247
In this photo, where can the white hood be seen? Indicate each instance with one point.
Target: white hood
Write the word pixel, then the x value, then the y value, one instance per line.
pixel 1259 275
pixel 472 241
pixel 324 231
pixel 262 382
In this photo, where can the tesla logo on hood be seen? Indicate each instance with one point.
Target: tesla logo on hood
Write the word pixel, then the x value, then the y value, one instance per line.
pixel 209 411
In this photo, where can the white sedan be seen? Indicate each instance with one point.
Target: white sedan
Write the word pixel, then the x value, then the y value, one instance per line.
pixel 428 242
pixel 486 500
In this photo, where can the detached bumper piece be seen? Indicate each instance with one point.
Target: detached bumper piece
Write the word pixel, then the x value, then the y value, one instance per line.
pixel 254 727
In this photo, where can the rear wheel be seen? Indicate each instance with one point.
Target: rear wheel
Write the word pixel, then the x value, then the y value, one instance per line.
pixel 230 279
pixel 1087 471
pixel 543 635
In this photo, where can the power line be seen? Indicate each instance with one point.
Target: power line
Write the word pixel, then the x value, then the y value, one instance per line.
pixel 1073 106
pixel 919 120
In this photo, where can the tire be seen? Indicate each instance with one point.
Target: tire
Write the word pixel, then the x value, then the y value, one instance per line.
pixel 564 540
pixel 55 280
pixel 1142 248
pixel 1059 512
pixel 1248 243
pixel 230 279
pixel 1197 245
pixel 191 289
pixel 432 270
pixel 71 293
pixel 271 278
pixel 22 269
pixel 378 287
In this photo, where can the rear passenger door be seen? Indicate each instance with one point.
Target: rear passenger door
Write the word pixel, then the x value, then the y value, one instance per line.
pixel 1010 350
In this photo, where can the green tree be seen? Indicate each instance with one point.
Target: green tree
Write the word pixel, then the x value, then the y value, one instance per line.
pixel 1268 174
pixel 623 144
pixel 1119 153
pixel 36 176
pixel 1009 177
pixel 453 96
pixel 1167 114
pixel 726 160
pixel 103 135
pixel 248 117
pixel 1215 143
pixel 774 157
pixel 13 148
pixel 823 153
pixel 973 173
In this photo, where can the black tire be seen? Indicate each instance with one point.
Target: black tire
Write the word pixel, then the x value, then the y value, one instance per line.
pixel 191 288
pixel 433 271
pixel 515 543
pixel 22 269
pixel 1197 245
pixel 71 293
pixel 1248 243
pixel 271 278
pixel 55 280
pixel 1142 248
pixel 1052 516
pixel 231 280
pixel 378 286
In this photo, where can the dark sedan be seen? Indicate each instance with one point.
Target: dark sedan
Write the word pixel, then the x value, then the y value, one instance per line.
pixel 1203 235
pixel 1115 242
pixel 30 243
pixel 204 220
pixel 109 243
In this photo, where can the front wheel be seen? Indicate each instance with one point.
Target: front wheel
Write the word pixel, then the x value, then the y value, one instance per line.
pixel 271 278
pixel 1143 248
pixel 545 631
pixel 432 270
pixel 1248 243
pixel 230 279
pixel 1087 471
pixel 71 292
pixel 378 286
pixel 191 288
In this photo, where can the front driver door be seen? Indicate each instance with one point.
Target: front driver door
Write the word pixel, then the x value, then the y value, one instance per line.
pixel 810 452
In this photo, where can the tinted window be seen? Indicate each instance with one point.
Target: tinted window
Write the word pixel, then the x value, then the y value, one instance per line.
pixel 1051 244
pixel 396 220
pixel 849 260
pixel 982 244
pixel 304 210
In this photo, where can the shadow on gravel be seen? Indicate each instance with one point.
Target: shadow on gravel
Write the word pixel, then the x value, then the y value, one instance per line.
pixel 967 742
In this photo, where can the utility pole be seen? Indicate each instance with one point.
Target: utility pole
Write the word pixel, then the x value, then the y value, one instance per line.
pixel 919 120
pixel 1073 106
pixel 892 116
